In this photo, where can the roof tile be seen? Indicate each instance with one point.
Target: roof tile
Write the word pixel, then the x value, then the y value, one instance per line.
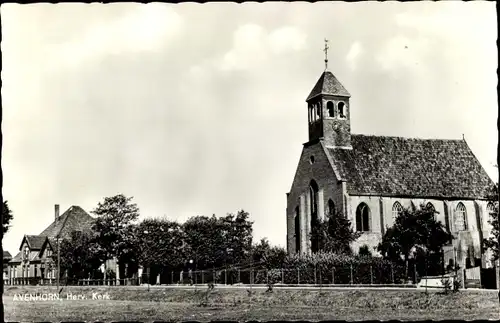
pixel 396 166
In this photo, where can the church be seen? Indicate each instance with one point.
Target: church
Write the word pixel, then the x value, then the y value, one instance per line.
pixel 369 179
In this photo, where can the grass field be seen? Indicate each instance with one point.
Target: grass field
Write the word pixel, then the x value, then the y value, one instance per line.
pixel 141 304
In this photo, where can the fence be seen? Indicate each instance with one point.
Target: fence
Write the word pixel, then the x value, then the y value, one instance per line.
pixel 348 274
pixel 345 274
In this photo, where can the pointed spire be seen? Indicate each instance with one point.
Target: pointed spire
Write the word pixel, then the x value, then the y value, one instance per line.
pixel 326 54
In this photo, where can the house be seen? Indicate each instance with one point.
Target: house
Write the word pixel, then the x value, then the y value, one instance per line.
pixel 35 260
pixel 369 179
pixel 6 258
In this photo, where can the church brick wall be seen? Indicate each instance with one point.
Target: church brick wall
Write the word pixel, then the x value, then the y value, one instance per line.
pixel 477 223
pixel 320 171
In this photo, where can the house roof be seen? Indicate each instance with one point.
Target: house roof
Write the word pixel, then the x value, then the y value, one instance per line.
pixel 329 85
pixel 74 219
pixel 396 166
pixel 33 256
pixel 34 242
pixel 7 255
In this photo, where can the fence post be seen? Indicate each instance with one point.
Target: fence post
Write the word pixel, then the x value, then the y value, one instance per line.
pixel 415 273
pixel 202 277
pixel 298 276
pixel 214 277
pixel 392 273
pixel 282 276
pixel 371 275
pixel 333 275
pixel 251 276
pixel 225 276
pixel 172 277
pixel 239 275
pixel 352 280
pixel 320 280
pixel 267 276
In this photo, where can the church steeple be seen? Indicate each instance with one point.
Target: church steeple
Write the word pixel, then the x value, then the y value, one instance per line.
pixel 329 110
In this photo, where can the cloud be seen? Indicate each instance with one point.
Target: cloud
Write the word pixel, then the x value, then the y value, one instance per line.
pixel 146 28
pixel 253 45
pixel 287 39
pixel 353 55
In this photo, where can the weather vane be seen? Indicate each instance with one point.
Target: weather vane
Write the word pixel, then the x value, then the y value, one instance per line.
pixel 326 53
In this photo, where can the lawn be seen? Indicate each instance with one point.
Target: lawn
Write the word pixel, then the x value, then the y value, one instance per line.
pixel 141 304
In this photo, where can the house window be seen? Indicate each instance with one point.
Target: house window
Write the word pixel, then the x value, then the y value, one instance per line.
pixel 297 230
pixel 396 209
pixel 460 217
pixel 363 218
pixel 341 107
pixel 329 107
pixel 331 208
pixel 318 110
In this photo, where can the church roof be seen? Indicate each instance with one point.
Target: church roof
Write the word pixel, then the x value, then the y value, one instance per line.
pixel 74 219
pixel 396 166
pixel 328 84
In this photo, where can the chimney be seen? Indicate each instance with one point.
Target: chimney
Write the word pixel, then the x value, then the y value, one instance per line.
pixel 56 211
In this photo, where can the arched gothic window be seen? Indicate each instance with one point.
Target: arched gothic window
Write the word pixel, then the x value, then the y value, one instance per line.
pixel 396 209
pixel 363 218
pixel 313 198
pixel 461 217
pixel 431 207
pixel 297 230
pixel 490 208
pixel 331 208
pixel 329 107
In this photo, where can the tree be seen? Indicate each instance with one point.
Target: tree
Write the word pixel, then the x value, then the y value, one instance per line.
pixel 415 232
pixel 160 244
pixel 80 255
pixel 492 243
pixel 6 217
pixel 113 225
pixel 265 255
pixel 334 235
pixel 217 242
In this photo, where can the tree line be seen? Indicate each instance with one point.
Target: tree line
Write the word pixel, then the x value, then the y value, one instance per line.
pixel 203 242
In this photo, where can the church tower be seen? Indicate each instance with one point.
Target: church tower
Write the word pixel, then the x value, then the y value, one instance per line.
pixel 329 110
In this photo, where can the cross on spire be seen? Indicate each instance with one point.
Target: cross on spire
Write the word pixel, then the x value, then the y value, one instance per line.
pixel 326 53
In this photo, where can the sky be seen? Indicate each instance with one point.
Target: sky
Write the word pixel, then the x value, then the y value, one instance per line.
pixel 199 109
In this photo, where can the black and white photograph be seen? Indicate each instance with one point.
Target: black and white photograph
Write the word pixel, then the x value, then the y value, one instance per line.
pixel 250 161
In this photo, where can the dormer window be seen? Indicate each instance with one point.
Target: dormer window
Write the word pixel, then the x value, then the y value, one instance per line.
pixel 341 108
pixel 330 109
